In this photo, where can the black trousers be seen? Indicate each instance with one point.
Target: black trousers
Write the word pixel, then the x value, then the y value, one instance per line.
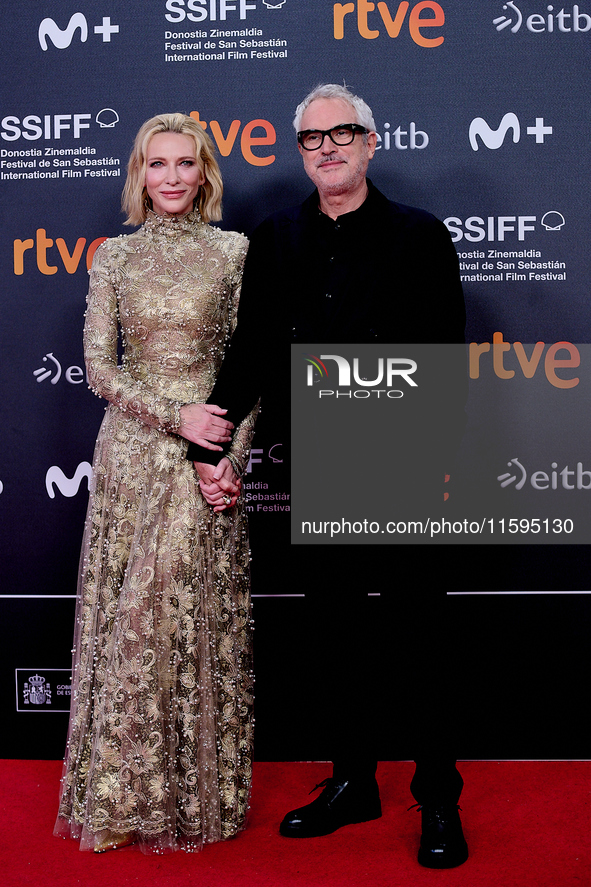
pixel 383 669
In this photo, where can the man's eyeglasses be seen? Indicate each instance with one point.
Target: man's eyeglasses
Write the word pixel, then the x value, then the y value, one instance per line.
pixel 311 139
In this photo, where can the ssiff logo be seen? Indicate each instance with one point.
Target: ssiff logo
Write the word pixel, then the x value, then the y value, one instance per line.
pixel 32 127
pixel 538 23
pixel 497 228
pixel 198 9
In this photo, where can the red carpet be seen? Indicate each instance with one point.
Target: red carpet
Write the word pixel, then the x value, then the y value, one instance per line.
pixel 526 824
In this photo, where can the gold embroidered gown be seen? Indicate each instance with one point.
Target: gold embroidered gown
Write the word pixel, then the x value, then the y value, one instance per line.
pixel 160 736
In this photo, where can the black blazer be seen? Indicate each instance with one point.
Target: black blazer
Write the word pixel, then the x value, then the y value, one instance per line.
pixel 392 275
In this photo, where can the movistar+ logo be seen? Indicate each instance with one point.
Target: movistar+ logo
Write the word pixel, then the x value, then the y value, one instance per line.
pixel 61 38
pixel 494 138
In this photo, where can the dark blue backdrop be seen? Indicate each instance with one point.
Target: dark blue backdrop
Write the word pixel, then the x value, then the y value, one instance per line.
pixel 483 119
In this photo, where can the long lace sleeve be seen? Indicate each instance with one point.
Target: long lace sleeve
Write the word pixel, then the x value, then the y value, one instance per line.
pixel 106 378
pixel 239 450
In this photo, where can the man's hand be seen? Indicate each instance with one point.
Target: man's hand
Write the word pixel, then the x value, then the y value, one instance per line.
pixel 202 423
pixel 219 484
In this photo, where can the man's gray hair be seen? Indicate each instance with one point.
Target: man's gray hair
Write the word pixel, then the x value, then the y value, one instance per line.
pixel 336 91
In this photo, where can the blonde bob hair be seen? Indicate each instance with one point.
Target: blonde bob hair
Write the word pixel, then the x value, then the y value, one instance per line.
pixel 135 200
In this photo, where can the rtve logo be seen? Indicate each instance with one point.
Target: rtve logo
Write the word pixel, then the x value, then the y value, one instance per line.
pixel 494 138
pixel 527 363
pixel 43 243
pixel 248 140
pixel 537 23
pixel 78 25
pixel 393 17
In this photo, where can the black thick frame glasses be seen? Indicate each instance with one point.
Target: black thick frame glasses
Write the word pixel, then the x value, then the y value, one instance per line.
pixel 312 139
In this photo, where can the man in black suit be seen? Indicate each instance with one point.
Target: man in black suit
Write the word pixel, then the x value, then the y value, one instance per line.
pixel 350 266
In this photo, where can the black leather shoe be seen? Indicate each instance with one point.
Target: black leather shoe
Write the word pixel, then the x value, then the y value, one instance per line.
pixel 342 802
pixel 443 845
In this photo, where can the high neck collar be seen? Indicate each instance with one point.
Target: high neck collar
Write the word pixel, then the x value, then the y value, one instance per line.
pixel 169 223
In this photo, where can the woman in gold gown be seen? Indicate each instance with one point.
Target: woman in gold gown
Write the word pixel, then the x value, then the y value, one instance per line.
pixel 160 739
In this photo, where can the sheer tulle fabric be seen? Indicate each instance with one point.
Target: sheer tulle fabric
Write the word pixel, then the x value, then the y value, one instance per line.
pixel 160 736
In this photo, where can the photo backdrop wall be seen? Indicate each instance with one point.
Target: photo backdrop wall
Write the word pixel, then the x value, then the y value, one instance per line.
pixel 483 119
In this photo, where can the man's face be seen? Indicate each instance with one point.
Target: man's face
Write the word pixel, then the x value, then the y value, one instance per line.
pixel 336 170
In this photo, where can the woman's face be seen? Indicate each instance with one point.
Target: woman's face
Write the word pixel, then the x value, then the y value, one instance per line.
pixel 173 173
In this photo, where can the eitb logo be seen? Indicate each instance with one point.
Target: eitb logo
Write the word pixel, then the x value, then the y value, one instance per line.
pixel 546 21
